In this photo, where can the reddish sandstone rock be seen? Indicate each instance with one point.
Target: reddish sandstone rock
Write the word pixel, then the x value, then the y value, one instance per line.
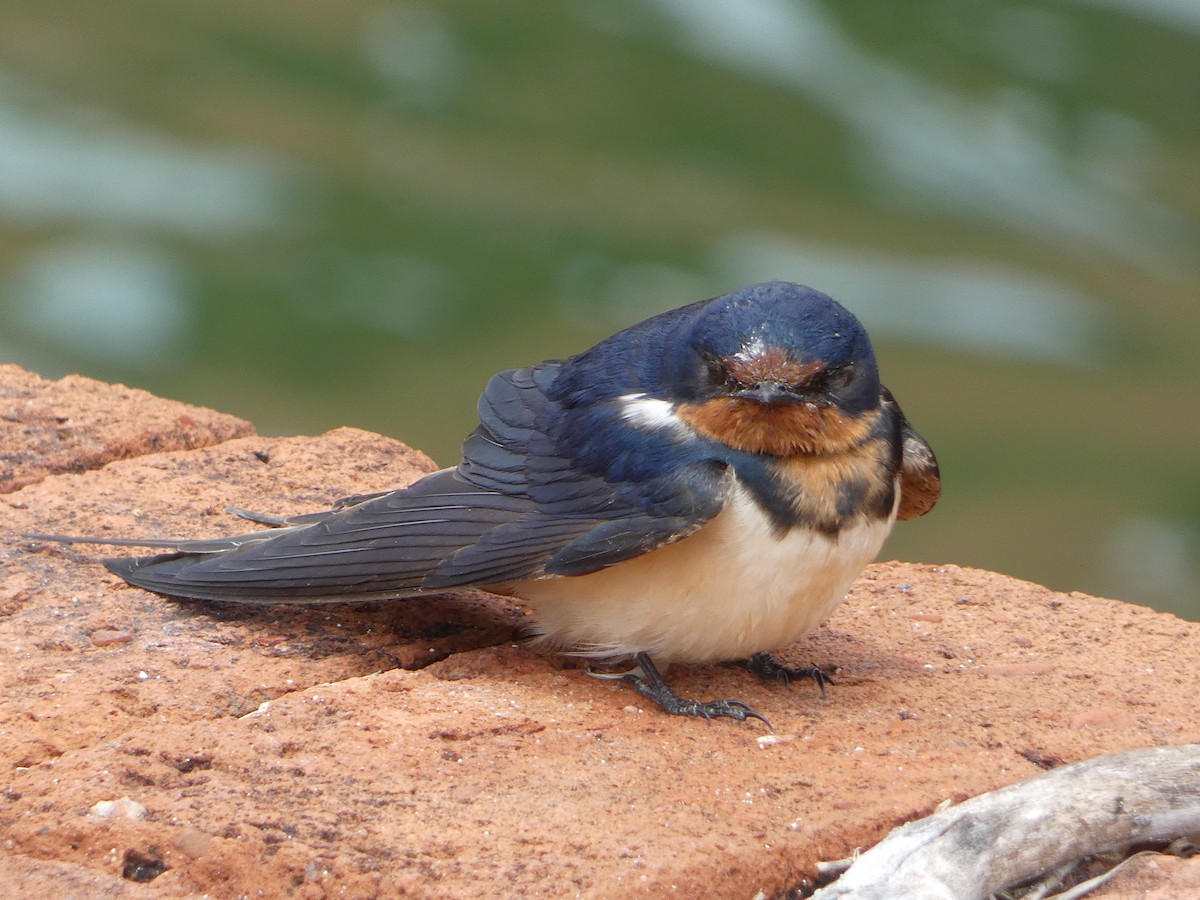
pixel 1155 877
pixel 414 747
pixel 77 424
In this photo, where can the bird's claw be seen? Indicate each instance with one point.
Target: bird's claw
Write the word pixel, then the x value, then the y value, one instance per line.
pixel 766 666
pixel 647 681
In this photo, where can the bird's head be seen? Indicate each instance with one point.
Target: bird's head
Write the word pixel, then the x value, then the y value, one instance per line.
pixel 776 368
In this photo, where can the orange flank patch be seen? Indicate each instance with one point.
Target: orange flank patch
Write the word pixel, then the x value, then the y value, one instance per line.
pixel 777 430
pixel 920 482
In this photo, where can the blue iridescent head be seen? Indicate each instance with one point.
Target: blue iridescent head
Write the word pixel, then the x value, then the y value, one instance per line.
pixel 777 344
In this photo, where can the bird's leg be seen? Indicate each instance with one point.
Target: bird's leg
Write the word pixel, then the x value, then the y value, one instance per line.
pixel 767 667
pixel 647 681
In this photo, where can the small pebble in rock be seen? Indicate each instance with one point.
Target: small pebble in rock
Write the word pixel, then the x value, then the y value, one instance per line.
pixel 118 809
pixel 770 740
pixel 193 842
pixel 107 637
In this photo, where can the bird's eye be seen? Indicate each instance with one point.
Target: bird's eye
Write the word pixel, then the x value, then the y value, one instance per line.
pixel 838 379
pixel 718 374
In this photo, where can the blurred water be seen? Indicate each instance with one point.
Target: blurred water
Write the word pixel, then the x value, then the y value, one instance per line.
pixel 104 302
pixel 87 165
pixel 967 305
pixel 999 158
pixel 1158 556
pixel 1173 13
pixel 413 48
pixel 393 292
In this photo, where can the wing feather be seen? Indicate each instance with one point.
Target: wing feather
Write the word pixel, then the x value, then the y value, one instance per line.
pixel 524 503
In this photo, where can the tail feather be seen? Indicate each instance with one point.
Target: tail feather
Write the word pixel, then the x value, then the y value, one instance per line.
pixel 440 533
pixel 171 574
pixel 211 545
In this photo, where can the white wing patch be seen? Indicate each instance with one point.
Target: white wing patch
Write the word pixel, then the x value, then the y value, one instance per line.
pixel 641 411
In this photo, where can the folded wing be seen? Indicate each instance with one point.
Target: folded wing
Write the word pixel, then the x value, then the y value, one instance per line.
pixel 519 506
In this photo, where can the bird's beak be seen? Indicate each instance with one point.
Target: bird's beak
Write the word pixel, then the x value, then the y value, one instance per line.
pixel 769 393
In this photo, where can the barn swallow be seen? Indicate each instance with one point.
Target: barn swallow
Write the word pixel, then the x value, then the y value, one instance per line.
pixel 703 486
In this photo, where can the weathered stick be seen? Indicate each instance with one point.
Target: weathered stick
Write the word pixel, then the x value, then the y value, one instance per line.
pixel 1009 835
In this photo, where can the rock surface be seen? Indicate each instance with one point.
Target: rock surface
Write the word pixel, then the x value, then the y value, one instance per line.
pixel 415 748
pixel 77 424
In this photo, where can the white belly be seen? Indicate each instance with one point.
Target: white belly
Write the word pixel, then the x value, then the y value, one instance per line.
pixel 732 589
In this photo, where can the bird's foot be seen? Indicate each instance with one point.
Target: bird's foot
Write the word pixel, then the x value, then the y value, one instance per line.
pixel 647 681
pixel 767 667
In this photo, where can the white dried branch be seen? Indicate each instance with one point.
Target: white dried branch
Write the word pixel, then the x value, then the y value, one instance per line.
pixel 1007 836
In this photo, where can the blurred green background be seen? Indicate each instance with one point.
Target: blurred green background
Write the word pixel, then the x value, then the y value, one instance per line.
pixel 323 213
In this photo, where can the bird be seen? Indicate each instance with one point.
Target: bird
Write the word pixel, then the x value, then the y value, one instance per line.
pixel 701 487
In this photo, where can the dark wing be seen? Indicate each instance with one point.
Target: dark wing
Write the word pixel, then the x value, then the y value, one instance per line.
pixel 384 547
pixel 920 479
pixel 526 501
